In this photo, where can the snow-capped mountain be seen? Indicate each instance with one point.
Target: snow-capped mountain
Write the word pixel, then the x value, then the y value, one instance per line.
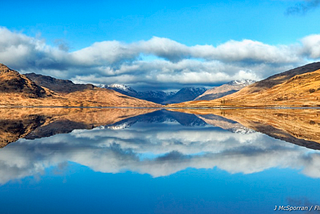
pixel 185 94
pixel 153 96
pixel 223 90
pixel 241 82
pixel 120 87
pixel 123 89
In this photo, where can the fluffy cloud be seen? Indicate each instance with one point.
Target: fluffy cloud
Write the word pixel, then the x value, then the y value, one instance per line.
pixel 104 53
pixel 23 52
pixel 247 51
pixel 155 62
pixel 311 46
pixel 163 47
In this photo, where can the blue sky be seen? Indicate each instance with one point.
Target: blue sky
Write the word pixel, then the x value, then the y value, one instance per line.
pixel 159 44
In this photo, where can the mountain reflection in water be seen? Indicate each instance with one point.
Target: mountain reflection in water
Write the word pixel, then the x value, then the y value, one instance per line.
pixel 158 142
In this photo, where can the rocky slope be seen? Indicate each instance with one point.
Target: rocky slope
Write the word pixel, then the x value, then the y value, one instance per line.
pixel 223 90
pixel 18 90
pixel 13 82
pixel 57 85
pixel 294 88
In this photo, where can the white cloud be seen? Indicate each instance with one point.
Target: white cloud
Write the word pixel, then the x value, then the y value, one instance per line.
pixel 104 53
pixel 165 48
pixel 114 61
pixel 23 52
pixel 311 46
pixel 247 50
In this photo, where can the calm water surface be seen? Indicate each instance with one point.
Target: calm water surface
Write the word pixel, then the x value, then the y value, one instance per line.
pixel 157 162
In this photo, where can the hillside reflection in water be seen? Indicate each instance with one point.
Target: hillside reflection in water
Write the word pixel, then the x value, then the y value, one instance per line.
pixel 162 143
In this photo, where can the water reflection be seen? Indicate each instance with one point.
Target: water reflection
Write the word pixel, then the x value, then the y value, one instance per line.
pixel 298 126
pixel 158 142
pixel 33 123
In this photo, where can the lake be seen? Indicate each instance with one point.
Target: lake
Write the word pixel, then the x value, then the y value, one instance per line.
pixel 69 160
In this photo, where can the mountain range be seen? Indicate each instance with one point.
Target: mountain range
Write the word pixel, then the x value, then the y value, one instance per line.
pixel 153 96
pixel 299 87
pixel 161 97
pixel 184 94
pixel 40 90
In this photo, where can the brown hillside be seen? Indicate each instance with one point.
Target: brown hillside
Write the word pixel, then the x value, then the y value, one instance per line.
pixel 294 88
pixel 17 90
pixel 105 97
pixel 57 85
pixel 223 90
pixel 13 82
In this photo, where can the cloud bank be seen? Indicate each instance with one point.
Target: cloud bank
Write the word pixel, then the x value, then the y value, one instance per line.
pixel 158 62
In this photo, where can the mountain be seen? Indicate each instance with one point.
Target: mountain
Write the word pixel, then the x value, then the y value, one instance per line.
pixel 224 89
pixel 156 96
pixel 152 96
pixel 18 90
pixel 57 85
pixel 185 94
pixel 123 89
pixel 161 97
pixel 13 82
pixel 299 87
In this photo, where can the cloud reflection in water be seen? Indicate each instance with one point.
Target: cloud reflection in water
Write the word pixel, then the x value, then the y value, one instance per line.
pixel 158 149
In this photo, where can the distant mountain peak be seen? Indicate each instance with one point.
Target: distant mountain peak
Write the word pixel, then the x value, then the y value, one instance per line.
pixel 225 89
pixel 186 94
pixel 123 89
pixel 161 97
pixel 242 82
pixel 120 86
